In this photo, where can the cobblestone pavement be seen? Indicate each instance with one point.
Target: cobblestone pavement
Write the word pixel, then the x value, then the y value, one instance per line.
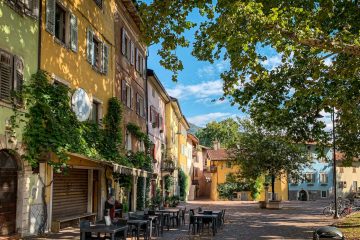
pixel 246 221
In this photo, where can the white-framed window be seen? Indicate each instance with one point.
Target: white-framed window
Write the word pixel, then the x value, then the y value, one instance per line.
pixel 11 75
pixel 62 24
pixel 140 63
pixel 97 52
pixel 310 178
pixel 95 116
pixel 342 184
pixel 140 105
pixel 127 94
pixel 323 194
pixel 28 7
pixel 323 178
pixel 355 186
pixel 128 143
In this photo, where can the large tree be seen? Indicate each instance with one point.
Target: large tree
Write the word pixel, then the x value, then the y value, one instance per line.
pixel 225 131
pixel 260 152
pixel 318 42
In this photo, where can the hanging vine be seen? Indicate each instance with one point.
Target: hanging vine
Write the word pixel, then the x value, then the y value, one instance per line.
pixel 52 127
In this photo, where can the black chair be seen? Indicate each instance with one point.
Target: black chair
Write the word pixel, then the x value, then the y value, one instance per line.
pixel 143 229
pixel 183 212
pixel 207 221
pixel 194 223
pixel 199 209
pixel 88 235
pixel 223 216
pixel 176 218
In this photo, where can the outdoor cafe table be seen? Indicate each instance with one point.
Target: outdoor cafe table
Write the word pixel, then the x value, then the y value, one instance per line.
pixel 152 218
pixel 138 223
pixel 102 228
pixel 214 218
pixel 172 211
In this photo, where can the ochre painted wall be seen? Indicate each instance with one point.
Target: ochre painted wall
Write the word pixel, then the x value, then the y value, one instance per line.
pixel 220 176
pixel 73 67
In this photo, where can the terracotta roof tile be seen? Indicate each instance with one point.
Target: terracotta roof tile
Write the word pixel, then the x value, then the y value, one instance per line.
pixel 220 154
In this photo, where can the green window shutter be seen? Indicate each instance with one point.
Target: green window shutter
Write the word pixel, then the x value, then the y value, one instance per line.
pixel 18 76
pixel 105 60
pixel 73 33
pixel 50 16
pixel 90 46
pixel 6 76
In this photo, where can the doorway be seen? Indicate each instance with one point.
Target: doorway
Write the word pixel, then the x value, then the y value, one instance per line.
pixel 95 192
pixel 8 193
pixel 303 195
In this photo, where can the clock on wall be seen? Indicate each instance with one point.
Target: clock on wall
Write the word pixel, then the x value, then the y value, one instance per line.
pixel 81 104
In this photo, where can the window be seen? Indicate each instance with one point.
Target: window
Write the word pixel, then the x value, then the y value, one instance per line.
pixel 142 146
pixel 140 105
pixel 354 170
pixel 294 180
pixel 354 186
pixel 342 184
pixel 341 170
pixel 11 75
pixel 154 117
pixel 28 7
pixel 323 178
pixel 95 112
pixel 62 24
pixel 140 64
pixel 97 52
pixel 127 47
pixel 310 178
pixel 99 3
pixel 228 164
pixel 323 194
pixel 126 94
pixel 128 145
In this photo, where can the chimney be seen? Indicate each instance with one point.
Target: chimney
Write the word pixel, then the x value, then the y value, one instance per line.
pixel 216 145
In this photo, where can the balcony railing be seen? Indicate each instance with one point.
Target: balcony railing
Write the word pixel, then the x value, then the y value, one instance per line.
pixel 168 166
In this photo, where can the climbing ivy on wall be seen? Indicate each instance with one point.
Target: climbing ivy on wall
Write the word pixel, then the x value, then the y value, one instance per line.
pixel 52 126
pixel 182 183
pixel 140 200
pixel 141 136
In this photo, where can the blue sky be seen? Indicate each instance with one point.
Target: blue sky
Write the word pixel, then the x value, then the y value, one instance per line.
pixel 199 83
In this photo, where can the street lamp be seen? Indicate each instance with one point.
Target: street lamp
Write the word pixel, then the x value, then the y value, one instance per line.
pixel 336 213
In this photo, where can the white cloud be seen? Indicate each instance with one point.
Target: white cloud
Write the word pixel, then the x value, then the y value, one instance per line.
pixel 222 65
pixel 202 120
pixel 197 91
pixel 272 62
pixel 207 71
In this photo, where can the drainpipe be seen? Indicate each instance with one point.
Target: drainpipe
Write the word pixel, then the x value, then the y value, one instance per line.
pixel 40 29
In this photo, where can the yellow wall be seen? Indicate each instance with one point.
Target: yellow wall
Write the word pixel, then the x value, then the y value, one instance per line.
pixel 348 175
pixel 220 177
pixel 182 143
pixel 281 185
pixel 171 124
pixel 73 67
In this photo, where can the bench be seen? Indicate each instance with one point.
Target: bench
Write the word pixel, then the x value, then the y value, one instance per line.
pixel 56 224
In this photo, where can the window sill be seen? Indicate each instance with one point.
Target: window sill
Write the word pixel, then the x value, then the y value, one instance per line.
pixel 22 13
pixel 310 184
pixel 324 184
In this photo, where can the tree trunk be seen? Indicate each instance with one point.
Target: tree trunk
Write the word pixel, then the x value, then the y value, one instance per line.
pixel 273 187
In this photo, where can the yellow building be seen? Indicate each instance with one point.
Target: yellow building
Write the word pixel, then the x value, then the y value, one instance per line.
pixel 218 166
pixel 176 137
pixel 77 50
pixel 348 179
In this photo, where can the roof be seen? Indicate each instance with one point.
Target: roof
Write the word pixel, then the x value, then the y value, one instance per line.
pixel 220 154
pixel 133 11
pixel 158 84
pixel 193 138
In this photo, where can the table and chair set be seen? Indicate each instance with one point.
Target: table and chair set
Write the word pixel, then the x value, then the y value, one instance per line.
pixel 199 218
pixel 146 224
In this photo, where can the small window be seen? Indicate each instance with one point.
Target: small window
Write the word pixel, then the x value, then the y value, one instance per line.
pixel 95 112
pixel 127 46
pixel 128 144
pixel 310 178
pixel 140 105
pixel 126 94
pixel 323 178
pixel 354 169
pixel 99 3
pixel 228 164
pixel 97 53
pixel 354 186
pixel 341 170
pixel 323 194
pixel 60 23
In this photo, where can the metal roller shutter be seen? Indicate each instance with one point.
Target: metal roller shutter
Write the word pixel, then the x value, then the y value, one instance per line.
pixel 70 193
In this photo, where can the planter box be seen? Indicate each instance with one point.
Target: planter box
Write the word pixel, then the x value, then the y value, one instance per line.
pixel 274 205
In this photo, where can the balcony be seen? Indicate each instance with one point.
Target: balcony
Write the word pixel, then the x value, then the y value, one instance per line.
pixel 168 166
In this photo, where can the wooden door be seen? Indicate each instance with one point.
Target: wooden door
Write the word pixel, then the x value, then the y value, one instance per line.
pixel 95 192
pixel 8 192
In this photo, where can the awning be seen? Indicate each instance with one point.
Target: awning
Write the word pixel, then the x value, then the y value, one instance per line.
pixel 130 171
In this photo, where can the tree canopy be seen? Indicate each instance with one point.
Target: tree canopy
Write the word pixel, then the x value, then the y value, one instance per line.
pixel 225 131
pixel 318 42
pixel 260 152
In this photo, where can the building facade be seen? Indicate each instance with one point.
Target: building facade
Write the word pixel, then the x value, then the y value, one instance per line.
pixel 19 45
pixel 157 100
pixel 77 49
pixel 317 180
